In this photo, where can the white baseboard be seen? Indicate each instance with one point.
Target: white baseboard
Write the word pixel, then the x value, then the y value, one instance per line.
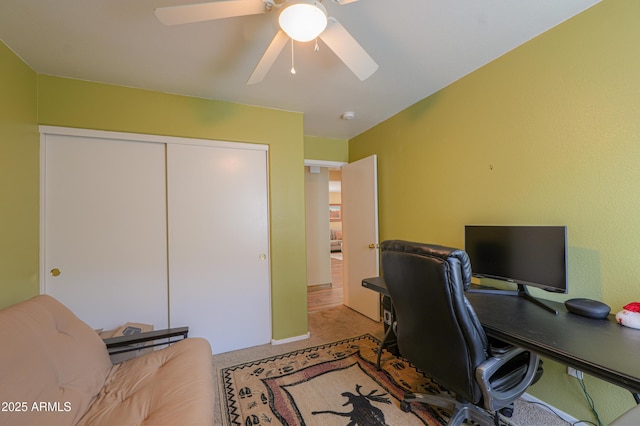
pixel 290 339
pixel 566 417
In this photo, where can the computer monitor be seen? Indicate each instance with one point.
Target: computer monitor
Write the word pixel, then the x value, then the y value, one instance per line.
pixel 524 255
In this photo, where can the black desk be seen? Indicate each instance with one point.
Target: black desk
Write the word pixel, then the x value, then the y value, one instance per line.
pixel 376 284
pixel 601 348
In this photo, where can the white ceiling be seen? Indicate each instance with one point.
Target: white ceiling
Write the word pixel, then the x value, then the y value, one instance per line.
pixel 421 46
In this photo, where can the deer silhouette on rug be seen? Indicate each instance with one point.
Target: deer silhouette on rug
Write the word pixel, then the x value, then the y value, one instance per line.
pixel 364 413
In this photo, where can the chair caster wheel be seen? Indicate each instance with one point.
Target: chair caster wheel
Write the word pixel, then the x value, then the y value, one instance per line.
pixel 405 406
pixel 507 411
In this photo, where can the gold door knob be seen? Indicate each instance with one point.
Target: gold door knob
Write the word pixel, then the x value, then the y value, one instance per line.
pixel 373 246
pixel 55 272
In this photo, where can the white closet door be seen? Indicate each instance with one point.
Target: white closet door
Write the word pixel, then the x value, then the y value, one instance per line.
pixel 104 229
pixel 219 244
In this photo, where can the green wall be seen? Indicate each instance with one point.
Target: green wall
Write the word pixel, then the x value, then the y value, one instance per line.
pixel 19 180
pixel 29 99
pixel 74 103
pixel 547 134
pixel 326 149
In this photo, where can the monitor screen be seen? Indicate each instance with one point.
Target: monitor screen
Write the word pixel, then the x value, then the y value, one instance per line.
pixel 528 255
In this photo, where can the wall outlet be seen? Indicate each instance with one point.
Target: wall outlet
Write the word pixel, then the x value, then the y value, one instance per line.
pixel 575 373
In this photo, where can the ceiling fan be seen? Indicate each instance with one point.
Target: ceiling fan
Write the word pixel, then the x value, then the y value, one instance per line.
pixel 315 24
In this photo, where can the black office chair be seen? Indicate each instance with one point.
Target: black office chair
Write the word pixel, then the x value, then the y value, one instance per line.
pixel 438 331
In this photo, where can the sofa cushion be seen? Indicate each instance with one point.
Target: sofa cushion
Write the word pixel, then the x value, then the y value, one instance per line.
pixel 172 386
pixel 51 363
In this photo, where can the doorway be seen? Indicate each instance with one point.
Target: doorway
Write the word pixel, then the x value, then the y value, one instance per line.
pixel 324 267
pixel 358 214
pixel 323 234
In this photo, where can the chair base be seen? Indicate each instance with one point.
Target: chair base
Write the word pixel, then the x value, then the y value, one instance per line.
pixel 461 411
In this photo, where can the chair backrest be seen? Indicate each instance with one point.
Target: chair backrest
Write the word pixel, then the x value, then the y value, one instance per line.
pixel 437 329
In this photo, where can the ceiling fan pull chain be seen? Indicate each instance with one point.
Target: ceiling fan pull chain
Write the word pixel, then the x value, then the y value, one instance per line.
pixel 317 48
pixel 293 69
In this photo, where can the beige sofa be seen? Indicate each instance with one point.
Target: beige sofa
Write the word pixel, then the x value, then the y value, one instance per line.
pixel 55 370
pixel 336 240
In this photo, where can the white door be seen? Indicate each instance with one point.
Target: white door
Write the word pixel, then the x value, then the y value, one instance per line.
pixel 219 245
pixel 360 235
pixel 104 229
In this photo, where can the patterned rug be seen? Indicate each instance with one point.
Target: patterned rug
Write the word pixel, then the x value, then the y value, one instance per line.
pixel 332 384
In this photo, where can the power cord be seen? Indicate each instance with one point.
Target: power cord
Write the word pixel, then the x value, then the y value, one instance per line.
pixel 590 401
pixel 558 415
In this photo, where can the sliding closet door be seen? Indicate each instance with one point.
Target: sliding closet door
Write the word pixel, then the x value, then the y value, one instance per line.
pixel 219 244
pixel 104 229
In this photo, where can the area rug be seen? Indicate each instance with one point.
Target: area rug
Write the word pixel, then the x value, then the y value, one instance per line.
pixel 332 384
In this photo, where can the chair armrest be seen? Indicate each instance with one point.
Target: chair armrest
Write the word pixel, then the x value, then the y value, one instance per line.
pixel 126 342
pixel 496 399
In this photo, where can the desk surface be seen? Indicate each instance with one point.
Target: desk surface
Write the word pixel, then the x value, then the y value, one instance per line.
pixel 599 347
pixel 376 284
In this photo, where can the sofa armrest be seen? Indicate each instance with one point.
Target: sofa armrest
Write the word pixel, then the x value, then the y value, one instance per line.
pixel 121 344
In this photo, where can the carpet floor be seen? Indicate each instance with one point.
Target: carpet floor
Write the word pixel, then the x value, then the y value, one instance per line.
pixel 329 384
pixel 336 324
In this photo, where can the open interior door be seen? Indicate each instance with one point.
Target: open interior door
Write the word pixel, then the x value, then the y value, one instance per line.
pixel 360 235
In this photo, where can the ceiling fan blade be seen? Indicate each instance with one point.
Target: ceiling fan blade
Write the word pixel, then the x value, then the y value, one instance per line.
pixel 348 50
pixel 343 2
pixel 188 13
pixel 269 57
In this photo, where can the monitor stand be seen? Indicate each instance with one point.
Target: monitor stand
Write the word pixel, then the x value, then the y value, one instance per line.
pixel 522 291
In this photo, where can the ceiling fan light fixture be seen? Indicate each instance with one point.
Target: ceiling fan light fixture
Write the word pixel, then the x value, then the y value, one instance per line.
pixel 303 20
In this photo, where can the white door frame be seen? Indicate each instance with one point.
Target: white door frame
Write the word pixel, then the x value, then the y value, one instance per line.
pixel 323 163
pixel 103 134
pixel 49 131
pixel 338 164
